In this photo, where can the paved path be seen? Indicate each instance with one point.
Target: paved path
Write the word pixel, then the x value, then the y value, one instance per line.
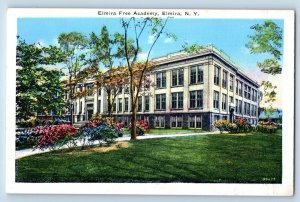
pixel 29 152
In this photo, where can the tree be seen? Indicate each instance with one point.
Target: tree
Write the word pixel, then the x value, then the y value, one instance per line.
pixel 267 38
pixel 105 50
pixel 269 95
pixel 35 83
pixel 50 92
pixel 132 47
pixel 72 46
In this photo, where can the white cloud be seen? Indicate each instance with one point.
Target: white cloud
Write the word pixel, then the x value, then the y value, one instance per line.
pixel 142 56
pixel 55 41
pixel 151 39
pixel 41 43
pixel 169 40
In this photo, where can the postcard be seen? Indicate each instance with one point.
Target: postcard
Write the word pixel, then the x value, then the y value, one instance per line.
pixel 150 102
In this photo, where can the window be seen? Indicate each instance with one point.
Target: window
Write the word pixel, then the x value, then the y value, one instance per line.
pixel 196 74
pixel 231 83
pixel 99 91
pixel 126 89
pixel 248 109
pixel 249 93
pixel 177 100
pixel 161 80
pixel 236 106
pixel 99 106
pixel 177 77
pixel 159 121
pixel 217 76
pixel 254 95
pixel 89 89
pixel 224 79
pixel 255 111
pixel 252 110
pixel 245 108
pixel 120 104
pixel 114 107
pixel 245 91
pixel 147 103
pixel 90 106
pixel 80 107
pixel 237 87
pixel 160 101
pixel 126 104
pixel 140 103
pixel 230 99
pixel 240 107
pixel 75 108
pixel 196 99
pixel 195 121
pixel 176 121
pixel 240 89
pixel 224 102
pixel 216 99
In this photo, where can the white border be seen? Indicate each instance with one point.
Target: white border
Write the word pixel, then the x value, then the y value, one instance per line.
pixel 284 189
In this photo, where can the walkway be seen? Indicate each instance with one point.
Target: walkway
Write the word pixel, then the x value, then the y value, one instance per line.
pixel 29 152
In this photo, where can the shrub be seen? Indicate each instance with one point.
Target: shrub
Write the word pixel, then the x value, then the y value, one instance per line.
pixel 267 128
pixel 26 138
pixel 142 126
pixel 31 122
pixel 232 128
pixel 242 125
pixel 56 136
pixel 105 134
pixel 102 130
pixel 221 124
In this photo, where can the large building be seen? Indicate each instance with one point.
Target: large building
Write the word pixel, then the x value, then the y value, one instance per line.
pixel 189 91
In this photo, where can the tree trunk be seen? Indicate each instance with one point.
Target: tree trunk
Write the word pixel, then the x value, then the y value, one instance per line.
pixel 109 107
pixel 70 100
pixel 133 121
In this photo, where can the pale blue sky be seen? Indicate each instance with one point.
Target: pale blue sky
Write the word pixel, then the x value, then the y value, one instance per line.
pixel 229 35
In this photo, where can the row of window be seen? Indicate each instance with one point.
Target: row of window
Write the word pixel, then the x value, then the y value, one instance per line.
pixel 196 76
pixel 246 109
pixel 194 121
pixel 249 93
pixel 195 102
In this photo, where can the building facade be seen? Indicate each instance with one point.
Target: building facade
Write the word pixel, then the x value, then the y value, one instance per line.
pixel 189 91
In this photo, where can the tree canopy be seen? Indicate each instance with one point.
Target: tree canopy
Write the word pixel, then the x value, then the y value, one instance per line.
pixel 267 38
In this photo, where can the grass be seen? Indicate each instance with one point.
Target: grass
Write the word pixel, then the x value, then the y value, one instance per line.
pixel 248 158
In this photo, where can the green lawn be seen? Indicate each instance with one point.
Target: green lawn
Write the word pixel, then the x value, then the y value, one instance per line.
pixel 224 158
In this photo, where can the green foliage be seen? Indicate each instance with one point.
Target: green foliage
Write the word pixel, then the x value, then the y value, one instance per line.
pixel 240 125
pixel 267 128
pixel 269 92
pixel 194 48
pixel 267 38
pixel 39 89
pixel 221 124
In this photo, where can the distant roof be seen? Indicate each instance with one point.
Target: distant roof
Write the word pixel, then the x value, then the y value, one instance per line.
pixel 275 115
